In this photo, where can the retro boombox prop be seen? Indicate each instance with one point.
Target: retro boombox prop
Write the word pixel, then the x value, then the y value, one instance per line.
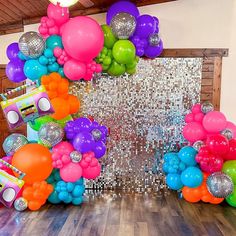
pixel 26 107
pixel 10 186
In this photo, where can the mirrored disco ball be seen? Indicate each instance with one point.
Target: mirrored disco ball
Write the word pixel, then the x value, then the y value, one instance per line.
pixel 13 142
pixel 207 107
pixel 20 204
pixel 31 44
pixel 75 156
pixel 123 25
pixel 227 133
pixel 154 39
pixel 51 134
pixel 220 185
pixel 197 145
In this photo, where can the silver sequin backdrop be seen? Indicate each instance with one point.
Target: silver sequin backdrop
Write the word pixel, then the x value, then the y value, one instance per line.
pixel 145 114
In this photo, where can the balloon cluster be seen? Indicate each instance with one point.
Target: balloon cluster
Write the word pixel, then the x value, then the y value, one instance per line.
pixel 212 155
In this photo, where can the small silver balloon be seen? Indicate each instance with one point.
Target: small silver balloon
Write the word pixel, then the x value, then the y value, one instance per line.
pixel 75 156
pixel 198 144
pixel 123 25
pixel 154 39
pixel 97 134
pixel 20 204
pixel 207 107
pixel 51 134
pixel 31 44
pixel 220 185
pixel 228 133
pixel 13 142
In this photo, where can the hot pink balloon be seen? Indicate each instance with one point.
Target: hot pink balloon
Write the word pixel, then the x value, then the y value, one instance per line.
pixel 71 172
pixel 196 108
pixel 82 38
pixel 59 14
pixel 198 117
pixel 189 118
pixel 194 131
pixel 214 122
pixel 75 70
pixel 232 127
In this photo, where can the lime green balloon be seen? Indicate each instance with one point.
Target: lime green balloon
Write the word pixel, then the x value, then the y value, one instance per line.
pixel 37 123
pixel 124 52
pixel 132 65
pixel 116 69
pixel 109 38
pixel 131 71
pixel 229 168
pixel 231 199
pixel 63 122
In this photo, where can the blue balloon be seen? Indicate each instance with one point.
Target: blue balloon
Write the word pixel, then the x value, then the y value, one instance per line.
pixel 53 68
pixel 174 181
pixel 61 72
pixel 77 201
pixel 48 53
pixel 54 41
pixel 43 60
pixel 192 177
pixel 187 155
pixel 34 70
pixel 170 155
pixel 23 57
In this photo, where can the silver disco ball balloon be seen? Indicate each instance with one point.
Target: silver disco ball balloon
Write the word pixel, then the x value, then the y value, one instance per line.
pixel 20 204
pixel 13 142
pixel 51 134
pixel 123 25
pixel 207 107
pixel 220 185
pixel 198 144
pixel 154 39
pixel 75 156
pixel 228 133
pixel 97 134
pixel 31 44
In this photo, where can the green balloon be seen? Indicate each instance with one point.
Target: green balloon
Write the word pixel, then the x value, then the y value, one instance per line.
pixel 124 52
pixel 109 38
pixel 116 69
pixel 132 65
pixel 229 168
pixel 54 41
pixel 231 199
pixel 37 123
pixel 63 122
pixel 131 71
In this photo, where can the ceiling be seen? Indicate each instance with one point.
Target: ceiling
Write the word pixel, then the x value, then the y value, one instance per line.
pixel 14 14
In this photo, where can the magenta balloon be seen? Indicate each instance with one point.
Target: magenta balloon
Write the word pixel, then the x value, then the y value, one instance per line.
pixel 74 70
pixel 122 6
pixel 214 122
pixel 12 51
pixel 154 51
pixel 15 71
pixel 194 131
pixel 59 14
pixel 71 172
pixel 82 38
pixel 146 25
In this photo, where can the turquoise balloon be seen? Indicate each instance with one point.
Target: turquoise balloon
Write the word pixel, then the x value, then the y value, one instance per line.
pixel 187 155
pixel 53 42
pixel 43 60
pixel 34 70
pixel 54 67
pixel 61 72
pixel 192 177
pixel 48 53
pixel 174 181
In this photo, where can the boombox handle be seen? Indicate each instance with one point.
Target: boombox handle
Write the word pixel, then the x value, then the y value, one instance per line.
pixel 4 95
pixel 22 175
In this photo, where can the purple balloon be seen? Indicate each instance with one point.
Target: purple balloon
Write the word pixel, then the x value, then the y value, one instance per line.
pixel 146 25
pixel 12 51
pixel 15 71
pixel 99 149
pixel 83 142
pixel 155 51
pixel 122 6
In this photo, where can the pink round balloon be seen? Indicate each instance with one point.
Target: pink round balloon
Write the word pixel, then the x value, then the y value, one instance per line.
pixel 194 131
pixel 75 70
pixel 71 172
pixel 189 118
pixel 214 122
pixel 232 127
pixel 92 172
pixel 82 38
pixel 198 117
pixel 196 108
pixel 59 14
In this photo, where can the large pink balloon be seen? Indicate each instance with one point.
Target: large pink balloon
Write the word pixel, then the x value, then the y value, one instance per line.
pixel 194 131
pixel 71 172
pixel 232 127
pixel 59 14
pixel 82 38
pixel 75 70
pixel 214 122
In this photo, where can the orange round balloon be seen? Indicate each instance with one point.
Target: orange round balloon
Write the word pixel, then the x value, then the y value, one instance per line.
pixel 74 104
pixel 191 194
pixel 61 108
pixel 35 161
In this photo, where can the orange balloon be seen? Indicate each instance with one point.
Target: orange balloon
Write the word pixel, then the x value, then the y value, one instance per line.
pixel 35 161
pixel 61 108
pixel 74 104
pixel 191 194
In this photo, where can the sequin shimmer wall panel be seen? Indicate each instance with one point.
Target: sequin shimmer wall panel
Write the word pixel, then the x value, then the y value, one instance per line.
pixel 145 114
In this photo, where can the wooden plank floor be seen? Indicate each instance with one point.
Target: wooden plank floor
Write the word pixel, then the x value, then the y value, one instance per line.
pixel 123 215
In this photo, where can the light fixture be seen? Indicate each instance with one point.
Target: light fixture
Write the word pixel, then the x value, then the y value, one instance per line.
pixel 64 3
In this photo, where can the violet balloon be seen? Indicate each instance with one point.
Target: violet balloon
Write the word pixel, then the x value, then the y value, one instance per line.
pixel 12 51
pixel 15 71
pixel 146 25
pixel 122 6
pixel 155 51
pixel 84 142
pixel 99 149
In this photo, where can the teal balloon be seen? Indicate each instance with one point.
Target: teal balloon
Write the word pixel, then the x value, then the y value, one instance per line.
pixel 61 72
pixel 53 198
pixel 54 67
pixel 48 53
pixel 192 177
pixel 77 201
pixel 34 70
pixel 54 41
pixel 187 156
pixel 174 181
pixel 22 56
pixel 43 60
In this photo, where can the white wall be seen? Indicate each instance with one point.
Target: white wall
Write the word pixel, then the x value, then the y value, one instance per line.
pixel 188 24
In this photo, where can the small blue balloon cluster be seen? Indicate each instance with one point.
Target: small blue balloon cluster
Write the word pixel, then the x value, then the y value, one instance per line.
pixel 181 169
